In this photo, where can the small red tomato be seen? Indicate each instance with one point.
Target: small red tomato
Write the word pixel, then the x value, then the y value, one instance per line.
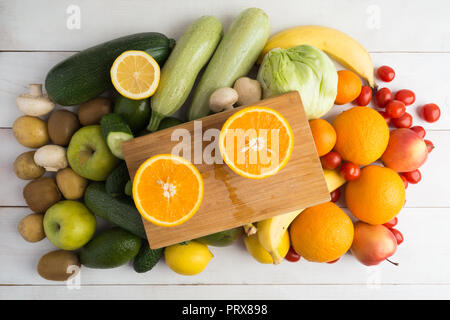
pixel 413 176
pixel 430 145
pixel 405 121
pixel 350 171
pixel 335 195
pixel 419 130
pixel 334 261
pixel 398 235
pixel 382 97
pixel 365 96
pixel 331 160
pixel 431 112
pixel 391 223
pixel 406 96
pixel 292 256
pixel 395 109
pixel 405 182
pixel 385 116
pixel 386 73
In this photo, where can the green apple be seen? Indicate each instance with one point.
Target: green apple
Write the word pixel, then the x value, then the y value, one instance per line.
pixel 88 154
pixel 69 225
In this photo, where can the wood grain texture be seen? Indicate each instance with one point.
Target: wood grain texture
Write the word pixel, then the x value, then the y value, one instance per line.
pixel 230 200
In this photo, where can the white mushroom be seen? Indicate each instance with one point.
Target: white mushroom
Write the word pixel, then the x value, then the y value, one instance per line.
pixel 51 157
pixel 249 91
pixel 223 99
pixel 34 103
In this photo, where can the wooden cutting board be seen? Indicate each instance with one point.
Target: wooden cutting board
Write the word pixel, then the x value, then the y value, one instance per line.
pixel 230 200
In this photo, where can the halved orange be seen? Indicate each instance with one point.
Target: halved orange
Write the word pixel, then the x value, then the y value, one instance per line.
pixel 135 74
pixel 256 142
pixel 167 190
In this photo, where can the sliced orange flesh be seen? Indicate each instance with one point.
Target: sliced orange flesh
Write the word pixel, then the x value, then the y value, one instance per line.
pixel 167 190
pixel 256 142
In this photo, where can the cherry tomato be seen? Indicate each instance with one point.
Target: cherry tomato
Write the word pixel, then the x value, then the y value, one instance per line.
pixel 385 116
pixel 419 130
pixel 398 235
pixel 405 121
pixel 334 261
pixel 382 97
pixel 413 176
pixel 335 195
pixel 331 160
pixel 431 112
pixel 292 256
pixel 405 182
pixel 365 96
pixel 406 96
pixel 350 171
pixel 386 73
pixel 391 223
pixel 430 145
pixel 395 109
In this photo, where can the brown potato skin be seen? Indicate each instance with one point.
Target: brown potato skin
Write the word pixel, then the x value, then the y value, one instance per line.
pixel 41 194
pixel 71 184
pixel 92 111
pixel 53 265
pixel 31 132
pixel 62 124
pixel 25 168
pixel 31 228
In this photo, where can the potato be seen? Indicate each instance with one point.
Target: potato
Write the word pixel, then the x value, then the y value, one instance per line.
pixel 31 228
pixel 92 111
pixel 71 184
pixel 58 265
pixel 62 124
pixel 30 132
pixel 25 168
pixel 41 194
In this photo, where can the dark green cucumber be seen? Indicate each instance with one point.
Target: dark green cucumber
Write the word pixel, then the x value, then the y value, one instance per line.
pixel 116 131
pixel 86 74
pixel 117 179
pixel 169 122
pixel 135 112
pixel 147 258
pixel 119 211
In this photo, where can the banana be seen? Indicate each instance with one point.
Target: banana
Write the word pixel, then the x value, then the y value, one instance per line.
pixel 270 231
pixel 340 46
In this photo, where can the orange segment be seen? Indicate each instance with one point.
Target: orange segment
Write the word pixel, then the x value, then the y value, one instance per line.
pixel 167 190
pixel 256 142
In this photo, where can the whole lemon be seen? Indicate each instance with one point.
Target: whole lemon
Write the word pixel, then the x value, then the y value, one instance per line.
pixel 376 196
pixel 188 258
pixel 322 233
pixel 262 255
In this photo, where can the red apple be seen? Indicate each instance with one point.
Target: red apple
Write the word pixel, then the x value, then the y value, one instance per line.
pixel 406 151
pixel 372 244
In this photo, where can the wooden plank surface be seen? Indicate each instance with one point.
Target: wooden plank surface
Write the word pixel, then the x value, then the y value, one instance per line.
pixel 230 200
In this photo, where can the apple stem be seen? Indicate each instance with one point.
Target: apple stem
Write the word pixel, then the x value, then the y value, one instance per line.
pixel 394 263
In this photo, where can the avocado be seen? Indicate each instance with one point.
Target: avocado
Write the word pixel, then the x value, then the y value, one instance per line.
pixel 117 179
pixel 112 248
pixel 222 238
pixel 147 258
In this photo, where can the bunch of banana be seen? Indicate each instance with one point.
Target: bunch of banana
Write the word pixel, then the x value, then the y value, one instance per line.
pixel 341 47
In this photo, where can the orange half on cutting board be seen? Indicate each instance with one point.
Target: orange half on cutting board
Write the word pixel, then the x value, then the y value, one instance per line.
pixel 167 190
pixel 256 142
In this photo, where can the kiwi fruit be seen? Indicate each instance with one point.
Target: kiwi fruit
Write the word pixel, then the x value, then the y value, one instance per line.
pixel 62 124
pixel 92 111
pixel 58 265
pixel 41 194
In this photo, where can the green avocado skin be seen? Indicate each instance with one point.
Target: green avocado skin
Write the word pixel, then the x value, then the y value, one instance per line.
pixel 112 248
pixel 147 258
pixel 222 238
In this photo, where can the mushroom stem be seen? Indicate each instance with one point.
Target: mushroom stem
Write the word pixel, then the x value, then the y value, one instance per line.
pixel 36 90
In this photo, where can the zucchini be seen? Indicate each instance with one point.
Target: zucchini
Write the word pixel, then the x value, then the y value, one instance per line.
pixel 234 57
pixel 136 113
pixel 117 179
pixel 85 75
pixel 192 51
pixel 116 131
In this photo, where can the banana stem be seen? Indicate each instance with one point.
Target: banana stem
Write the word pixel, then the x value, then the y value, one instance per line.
pixel 250 229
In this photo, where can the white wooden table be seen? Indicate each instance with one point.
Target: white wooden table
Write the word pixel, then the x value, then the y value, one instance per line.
pixel 411 36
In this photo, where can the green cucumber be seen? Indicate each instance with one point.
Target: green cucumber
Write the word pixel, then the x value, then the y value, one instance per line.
pixel 147 258
pixel 234 57
pixel 136 113
pixel 119 211
pixel 191 53
pixel 117 179
pixel 169 122
pixel 128 190
pixel 85 75
pixel 116 131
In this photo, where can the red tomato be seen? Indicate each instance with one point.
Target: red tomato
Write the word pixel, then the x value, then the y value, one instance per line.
pixel 292 256
pixel 413 176
pixel 431 112
pixel 395 109
pixel 430 145
pixel 405 121
pixel 398 235
pixel 405 182
pixel 382 97
pixel 385 116
pixel 386 73
pixel 334 261
pixel 391 223
pixel 365 96
pixel 406 96
pixel 335 195
pixel 419 130
pixel 350 171
pixel 331 160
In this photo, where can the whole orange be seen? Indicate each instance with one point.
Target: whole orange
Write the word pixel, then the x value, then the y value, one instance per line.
pixel 362 135
pixel 322 233
pixel 348 88
pixel 324 135
pixel 377 196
